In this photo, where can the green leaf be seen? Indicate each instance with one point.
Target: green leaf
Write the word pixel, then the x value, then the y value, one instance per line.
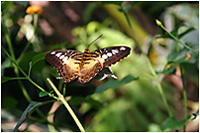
pixel 5 4
pixel 35 59
pixel 89 11
pixel 44 93
pixel 115 83
pixel 9 102
pixel 59 46
pixel 39 57
pixel 170 70
pixel 182 57
pixel 29 110
pixel 4 65
pixel 175 32
pixel 172 124
pixel 5 79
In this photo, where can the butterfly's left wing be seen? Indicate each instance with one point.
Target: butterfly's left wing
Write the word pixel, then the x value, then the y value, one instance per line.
pixel 65 63
pixel 112 55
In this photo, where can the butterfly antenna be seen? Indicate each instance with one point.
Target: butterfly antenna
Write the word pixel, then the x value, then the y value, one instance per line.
pixel 83 42
pixel 95 40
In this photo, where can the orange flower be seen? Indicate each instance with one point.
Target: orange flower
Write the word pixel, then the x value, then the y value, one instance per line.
pixel 34 9
pixel 188 56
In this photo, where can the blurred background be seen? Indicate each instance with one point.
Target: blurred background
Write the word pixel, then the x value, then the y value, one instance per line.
pixel 136 106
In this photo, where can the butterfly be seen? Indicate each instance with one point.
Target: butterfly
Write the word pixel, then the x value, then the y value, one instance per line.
pixel 72 64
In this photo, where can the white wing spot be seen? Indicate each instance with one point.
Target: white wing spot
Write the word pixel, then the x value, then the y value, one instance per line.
pixel 104 56
pixel 65 59
pixel 61 56
pixel 58 54
pixel 53 52
pixel 109 54
pixel 115 51
pixel 122 48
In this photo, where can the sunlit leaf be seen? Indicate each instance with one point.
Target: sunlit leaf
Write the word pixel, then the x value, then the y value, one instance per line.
pixel 44 93
pixel 115 83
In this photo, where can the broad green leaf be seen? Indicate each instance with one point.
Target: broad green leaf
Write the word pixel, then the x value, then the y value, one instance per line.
pixel 35 59
pixel 5 79
pixel 44 93
pixel 172 124
pixel 183 56
pixel 39 57
pixel 29 110
pixel 115 83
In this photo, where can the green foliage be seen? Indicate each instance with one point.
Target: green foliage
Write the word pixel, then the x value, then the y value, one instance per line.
pixel 29 110
pixel 114 83
pixel 172 124
pixel 5 79
pixel 44 93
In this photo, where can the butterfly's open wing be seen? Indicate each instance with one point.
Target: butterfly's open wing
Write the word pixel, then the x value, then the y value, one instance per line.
pixel 111 55
pixel 65 64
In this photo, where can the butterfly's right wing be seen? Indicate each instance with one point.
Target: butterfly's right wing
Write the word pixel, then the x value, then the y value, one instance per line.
pixel 112 55
pixel 64 62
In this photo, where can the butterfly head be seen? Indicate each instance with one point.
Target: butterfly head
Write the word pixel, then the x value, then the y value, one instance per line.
pixel 87 50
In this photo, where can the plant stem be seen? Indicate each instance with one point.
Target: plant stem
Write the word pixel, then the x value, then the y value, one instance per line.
pixel 35 22
pixel 27 77
pixel 149 63
pixel 175 38
pixel 184 96
pixel 61 98
pixel 15 67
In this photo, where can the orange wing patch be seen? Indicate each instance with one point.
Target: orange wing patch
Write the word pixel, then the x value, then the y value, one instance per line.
pixel 69 70
pixel 90 69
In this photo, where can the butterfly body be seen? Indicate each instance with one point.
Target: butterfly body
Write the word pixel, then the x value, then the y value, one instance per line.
pixel 72 64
